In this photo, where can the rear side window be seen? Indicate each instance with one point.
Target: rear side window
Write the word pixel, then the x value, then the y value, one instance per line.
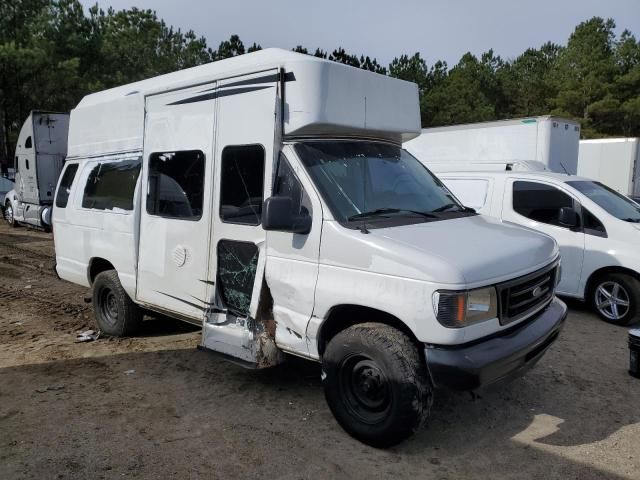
pixel 539 202
pixel 242 184
pixel 110 186
pixel 62 197
pixel 176 184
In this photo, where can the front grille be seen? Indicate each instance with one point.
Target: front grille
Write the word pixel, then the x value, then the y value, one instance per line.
pixel 525 295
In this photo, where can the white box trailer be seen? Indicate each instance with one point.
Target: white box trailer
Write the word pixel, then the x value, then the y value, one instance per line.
pixel 40 154
pixel 537 143
pixel 613 162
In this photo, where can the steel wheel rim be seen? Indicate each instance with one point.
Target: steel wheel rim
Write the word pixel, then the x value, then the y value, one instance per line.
pixel 109 306
pixel 612 300
pixel 365 389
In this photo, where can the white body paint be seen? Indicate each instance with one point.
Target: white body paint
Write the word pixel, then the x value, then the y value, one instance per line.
pixel 171 265
pixel 582 253
pixel 545 142
pixel 612 161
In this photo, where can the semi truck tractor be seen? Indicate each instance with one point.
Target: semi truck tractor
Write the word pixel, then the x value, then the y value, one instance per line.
pixel 40 154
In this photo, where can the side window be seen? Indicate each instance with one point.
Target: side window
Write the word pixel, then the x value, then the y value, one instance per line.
pixel 472 193
pixel 65 185
pixel 539 202
pixel 176 184
pixel 591 224
pixel 110 186
pixel 288 185
pixel 26 162
pixel 242 184
pixel 28 143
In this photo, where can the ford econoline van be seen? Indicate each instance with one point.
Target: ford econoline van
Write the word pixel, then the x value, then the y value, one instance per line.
pixel 268 199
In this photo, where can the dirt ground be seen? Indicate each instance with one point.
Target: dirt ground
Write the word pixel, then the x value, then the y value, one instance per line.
pixel 155 407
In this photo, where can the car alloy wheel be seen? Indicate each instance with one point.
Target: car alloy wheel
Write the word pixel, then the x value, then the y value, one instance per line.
pixel 612 300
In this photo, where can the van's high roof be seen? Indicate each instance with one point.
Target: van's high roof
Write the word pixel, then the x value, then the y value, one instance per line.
pixel 322 98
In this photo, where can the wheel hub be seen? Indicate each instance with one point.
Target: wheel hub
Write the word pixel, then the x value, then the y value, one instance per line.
pixel 8 214
pixel 612 300
pixel 366 389
pixel 109 306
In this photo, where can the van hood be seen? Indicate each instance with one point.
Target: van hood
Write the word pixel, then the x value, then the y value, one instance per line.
pixel 470 250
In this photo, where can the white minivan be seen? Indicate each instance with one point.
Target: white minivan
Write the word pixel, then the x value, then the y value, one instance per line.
pixel 597 229
pixel 267 198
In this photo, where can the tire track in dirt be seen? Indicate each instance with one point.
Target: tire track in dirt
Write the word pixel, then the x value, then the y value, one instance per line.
pixel 65 315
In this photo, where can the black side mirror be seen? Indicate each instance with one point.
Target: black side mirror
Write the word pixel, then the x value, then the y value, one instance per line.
pixel 568 217
pixel 277 216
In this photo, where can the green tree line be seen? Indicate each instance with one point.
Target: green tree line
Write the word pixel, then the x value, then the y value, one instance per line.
pixel 53 52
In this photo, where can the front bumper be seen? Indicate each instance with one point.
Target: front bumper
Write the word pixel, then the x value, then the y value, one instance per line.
pixel 479 363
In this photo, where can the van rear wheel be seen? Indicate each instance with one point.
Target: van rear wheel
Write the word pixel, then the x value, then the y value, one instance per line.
pixel 616 298
pixel 116 314
pixel 376 384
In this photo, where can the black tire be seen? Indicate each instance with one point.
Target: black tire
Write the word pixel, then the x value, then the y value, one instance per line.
pixel 626 298
pixel 376 384
pixel 115 312
pixel 9 215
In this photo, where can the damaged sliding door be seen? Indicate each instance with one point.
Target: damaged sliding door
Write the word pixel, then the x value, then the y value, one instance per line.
pixel 238 323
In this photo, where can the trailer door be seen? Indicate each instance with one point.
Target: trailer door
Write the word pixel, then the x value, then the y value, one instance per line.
pixel 175 206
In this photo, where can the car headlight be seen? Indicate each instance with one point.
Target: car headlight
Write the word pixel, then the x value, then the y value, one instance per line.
pixel 463 308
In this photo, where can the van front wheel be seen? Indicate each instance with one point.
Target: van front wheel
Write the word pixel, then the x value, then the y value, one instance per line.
pixel 117 315
pixel 376 384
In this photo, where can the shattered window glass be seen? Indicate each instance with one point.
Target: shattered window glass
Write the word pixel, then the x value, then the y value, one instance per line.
pixel 237 262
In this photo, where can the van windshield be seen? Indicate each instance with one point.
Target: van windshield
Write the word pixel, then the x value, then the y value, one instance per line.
pixel 376 182
pixel 614 203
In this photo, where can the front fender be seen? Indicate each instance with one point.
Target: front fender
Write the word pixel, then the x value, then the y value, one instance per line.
pixel 11 197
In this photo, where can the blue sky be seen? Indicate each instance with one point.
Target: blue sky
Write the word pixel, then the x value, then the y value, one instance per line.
pixel 438 29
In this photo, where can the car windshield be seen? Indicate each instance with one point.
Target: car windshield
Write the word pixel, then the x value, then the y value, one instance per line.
pixel 363 180
pixel 616 204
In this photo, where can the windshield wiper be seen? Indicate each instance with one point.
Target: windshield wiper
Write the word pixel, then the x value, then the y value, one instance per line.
pixel 381 212
pixel 632 220
pixel 449 206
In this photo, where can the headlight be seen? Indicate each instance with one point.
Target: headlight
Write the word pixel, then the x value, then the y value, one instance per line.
pixel 461 309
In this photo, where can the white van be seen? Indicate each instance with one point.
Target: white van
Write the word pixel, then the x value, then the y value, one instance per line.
pixel 596 228
pixel 267 198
